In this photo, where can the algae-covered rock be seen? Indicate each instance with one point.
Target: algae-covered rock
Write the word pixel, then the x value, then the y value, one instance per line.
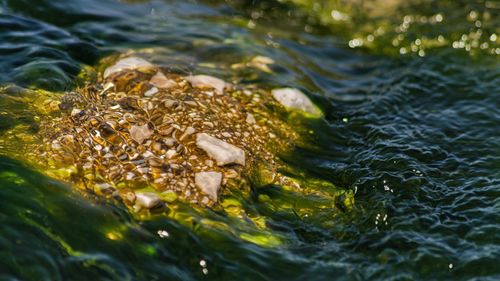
pixel 145 130
pixel 151 138
pixel 294 99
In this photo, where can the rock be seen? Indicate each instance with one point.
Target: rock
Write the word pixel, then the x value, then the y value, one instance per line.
pixel 209 183
pixel 161 81
pixel 140 133
pixel 250 118
pixel 189 131
pixel 127 63
pixel 295 99
pixel 147 200
pixel 75 112
pixel 207 81
pixel 223 152
pixel 104 187
pixel 151 92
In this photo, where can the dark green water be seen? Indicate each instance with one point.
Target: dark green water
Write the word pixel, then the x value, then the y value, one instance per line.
pixel 415 137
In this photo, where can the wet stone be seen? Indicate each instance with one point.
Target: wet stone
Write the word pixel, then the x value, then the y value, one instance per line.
pixel 147 200
pixel 223 152
pixel 209 183
pixel 294 99
pixel 140 133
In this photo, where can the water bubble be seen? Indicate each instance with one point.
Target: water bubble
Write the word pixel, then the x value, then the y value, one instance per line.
pixel 403 51
pixel 493 37
pixel 203 263
pixel 473 15
pixel 355 43
pixel 438 17
pixel 339 16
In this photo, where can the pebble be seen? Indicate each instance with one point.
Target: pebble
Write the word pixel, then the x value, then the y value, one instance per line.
pixel 127 63
pixel 223 152
pixel 140 133
pixel 75 111
pixel 151 92
pixel 161 81
pixel 207 81
pixel 250 118
pixel 187 132
pixel 294 99
pixel 170 153
pixel 147 200
pixel 209 183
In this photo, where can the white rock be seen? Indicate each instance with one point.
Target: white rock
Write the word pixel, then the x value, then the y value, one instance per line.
pixel 223 152
pixel 161 81
pixel 75 111
pixel 170 153
pixel 147 200
pixel 140 133
pixel 127 63
pixel 295 99
pixel 250 118
pixel 151 92
pixel 209 183
pixel 208 81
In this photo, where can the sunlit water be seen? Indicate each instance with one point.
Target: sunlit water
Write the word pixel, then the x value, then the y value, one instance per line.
pixel 414 136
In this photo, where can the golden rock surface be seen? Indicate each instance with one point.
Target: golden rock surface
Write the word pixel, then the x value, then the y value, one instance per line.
pixel 134 135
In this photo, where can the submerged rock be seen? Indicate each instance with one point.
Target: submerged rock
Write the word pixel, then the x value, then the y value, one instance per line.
pixel 161 81
pixel 147 200
pixel 208 81
pixel 223 152
pixel 209 183
pixel 140 133
pixel 144 132
pixel 127 63
pixel 294 99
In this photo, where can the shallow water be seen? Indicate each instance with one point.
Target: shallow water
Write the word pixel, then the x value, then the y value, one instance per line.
pixel 415 137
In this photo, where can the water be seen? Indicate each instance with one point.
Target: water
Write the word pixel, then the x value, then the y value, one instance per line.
pixel 415 137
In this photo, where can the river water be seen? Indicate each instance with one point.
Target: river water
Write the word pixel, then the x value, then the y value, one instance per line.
pixel 411 128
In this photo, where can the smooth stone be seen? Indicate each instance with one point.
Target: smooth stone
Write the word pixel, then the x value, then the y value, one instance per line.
pixel 147 200
pixel 161 81
pixel 207 81
pixel 75 111
pixel 209 183
pixel 151 92
pixel 140 133
pixel 127 63
pixel 294 99
pixel 223 152
pixel 250 118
